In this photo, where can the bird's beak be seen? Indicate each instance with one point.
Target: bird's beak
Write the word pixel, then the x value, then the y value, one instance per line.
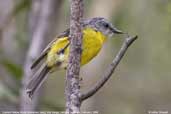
pixel 115 30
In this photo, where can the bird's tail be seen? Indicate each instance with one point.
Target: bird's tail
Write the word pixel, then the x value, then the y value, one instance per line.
pixel 37 80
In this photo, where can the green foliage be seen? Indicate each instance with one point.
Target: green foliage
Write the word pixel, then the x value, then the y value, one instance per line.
pixel 21 6
pixel 21 36
pixel 5 93
pixel 14 69
pixel 52 106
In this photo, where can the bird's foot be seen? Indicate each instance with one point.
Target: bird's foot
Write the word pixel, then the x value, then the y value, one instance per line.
pixel 81 82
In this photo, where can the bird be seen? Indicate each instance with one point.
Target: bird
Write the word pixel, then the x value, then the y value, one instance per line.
pixel 55 56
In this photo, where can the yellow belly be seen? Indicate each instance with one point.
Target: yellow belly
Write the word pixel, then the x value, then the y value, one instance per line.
pixel 92 43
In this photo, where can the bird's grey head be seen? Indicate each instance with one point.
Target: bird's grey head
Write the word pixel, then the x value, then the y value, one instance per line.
pixel 102 25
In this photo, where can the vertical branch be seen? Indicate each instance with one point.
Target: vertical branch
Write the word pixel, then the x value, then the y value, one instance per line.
pixel 72 89
pixel 40 24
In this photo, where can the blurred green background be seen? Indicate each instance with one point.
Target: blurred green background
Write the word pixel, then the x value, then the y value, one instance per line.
pixel 142 81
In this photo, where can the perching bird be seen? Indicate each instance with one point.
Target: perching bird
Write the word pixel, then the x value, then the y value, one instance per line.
pixel 95 32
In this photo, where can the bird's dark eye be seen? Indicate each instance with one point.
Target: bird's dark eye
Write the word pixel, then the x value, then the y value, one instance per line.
pixel 106 25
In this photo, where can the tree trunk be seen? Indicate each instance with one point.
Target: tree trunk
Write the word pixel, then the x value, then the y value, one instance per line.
pixel 72 90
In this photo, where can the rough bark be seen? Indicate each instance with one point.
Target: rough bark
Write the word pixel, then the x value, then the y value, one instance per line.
pixel 72 76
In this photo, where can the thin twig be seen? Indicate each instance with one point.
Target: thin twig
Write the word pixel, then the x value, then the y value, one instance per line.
pixel 128 41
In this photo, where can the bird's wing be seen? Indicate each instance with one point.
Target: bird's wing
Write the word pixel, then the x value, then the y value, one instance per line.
pixel 45 51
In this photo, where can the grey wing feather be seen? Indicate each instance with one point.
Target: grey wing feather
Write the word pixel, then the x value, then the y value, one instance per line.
pixel 45 51
pixel 37 80
pixel 63 34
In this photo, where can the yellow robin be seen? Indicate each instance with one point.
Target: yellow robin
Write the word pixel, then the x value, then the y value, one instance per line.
pixel 95 32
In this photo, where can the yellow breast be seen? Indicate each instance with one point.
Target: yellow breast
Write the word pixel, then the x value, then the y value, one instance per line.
pixel 92 43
